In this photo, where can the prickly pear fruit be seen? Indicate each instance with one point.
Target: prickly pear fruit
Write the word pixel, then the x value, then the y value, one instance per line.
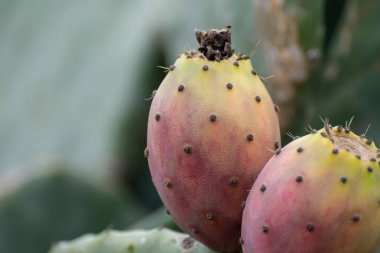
pixel 320 194
pixel 211 127
pixel 158 240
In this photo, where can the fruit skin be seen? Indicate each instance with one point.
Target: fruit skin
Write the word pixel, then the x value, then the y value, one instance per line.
pixel 158 240
pixel 210 131
pixel 317 199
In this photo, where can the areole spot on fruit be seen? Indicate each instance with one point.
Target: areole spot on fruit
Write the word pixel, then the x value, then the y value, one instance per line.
pixel 258 99
pixel 250 137
pixel 356 218
pixel 299 179
pixel 310 227
pixel 188 149
pixel 265 228
pixel 181 88
pixel 168 183
pixel 210 216
pixel 343 180
pixel 233 182
pixel 212 117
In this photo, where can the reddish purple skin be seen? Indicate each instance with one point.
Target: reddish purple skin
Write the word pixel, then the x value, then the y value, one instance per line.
pixel 204 190
pixel 288 206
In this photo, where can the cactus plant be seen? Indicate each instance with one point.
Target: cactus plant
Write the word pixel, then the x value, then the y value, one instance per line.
pixel 159 240
pixel 319 194
pixel 211 126
pixel 54 204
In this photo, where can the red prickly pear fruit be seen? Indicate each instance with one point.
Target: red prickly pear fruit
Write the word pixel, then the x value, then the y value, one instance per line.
pixel 319 195
pixel 211 127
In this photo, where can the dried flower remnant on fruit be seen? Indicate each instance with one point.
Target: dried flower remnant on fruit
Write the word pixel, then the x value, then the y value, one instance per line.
pixel 215 44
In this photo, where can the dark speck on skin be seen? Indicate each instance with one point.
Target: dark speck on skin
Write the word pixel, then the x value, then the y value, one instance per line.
pixel 188 243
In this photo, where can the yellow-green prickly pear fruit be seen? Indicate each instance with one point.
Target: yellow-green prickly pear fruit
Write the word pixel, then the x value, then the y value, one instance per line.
pixel 211 127
pixel 320 194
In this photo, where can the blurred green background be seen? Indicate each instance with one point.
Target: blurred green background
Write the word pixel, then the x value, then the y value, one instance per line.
pixel 75 77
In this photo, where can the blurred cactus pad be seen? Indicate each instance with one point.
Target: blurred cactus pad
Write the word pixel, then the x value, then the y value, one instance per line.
pixel 159 240
pixel 75 83
pixel 53 204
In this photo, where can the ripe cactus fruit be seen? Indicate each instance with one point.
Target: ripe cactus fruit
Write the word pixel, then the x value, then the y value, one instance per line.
pixel 320 194
pixel 211 126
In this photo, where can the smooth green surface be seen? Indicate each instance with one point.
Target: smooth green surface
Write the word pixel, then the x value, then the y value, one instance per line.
pixel 71 71
pixel 56 205
pixel 308 16
pixel 136 241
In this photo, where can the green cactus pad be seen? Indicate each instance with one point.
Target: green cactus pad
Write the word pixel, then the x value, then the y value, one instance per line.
pixel 40 209
pixel 159 240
